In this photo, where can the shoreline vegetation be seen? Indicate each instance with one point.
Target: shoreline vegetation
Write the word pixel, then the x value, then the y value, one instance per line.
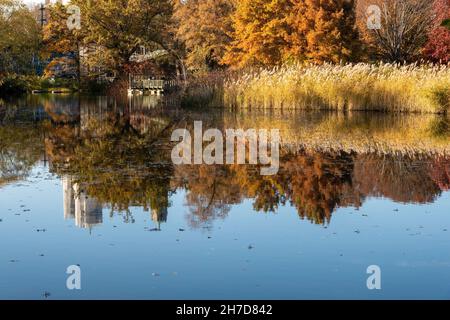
pixel 14 84
pixel 383 87
pixel 338 55
pixel 360 87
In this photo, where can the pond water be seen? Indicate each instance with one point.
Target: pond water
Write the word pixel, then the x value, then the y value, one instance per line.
pixel 89 181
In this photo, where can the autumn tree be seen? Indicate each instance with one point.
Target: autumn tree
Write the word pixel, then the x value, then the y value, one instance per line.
pixel 269 32
pixel 204 27
pixel 259 33
pixel 61 44
pixel 323 30
pixel 438 46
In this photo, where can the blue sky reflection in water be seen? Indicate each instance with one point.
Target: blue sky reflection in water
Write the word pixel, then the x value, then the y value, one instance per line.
pixel 214 231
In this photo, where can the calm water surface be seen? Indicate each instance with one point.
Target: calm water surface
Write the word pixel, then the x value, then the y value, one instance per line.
pixel 90 181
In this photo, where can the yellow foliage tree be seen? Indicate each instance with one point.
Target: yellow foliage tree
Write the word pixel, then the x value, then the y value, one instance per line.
pixel 204 27
pixel 260 31
pixel 62 42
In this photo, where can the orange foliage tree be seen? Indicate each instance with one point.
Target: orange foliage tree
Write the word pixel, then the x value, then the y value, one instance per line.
pixel 269 32
pixel 323 30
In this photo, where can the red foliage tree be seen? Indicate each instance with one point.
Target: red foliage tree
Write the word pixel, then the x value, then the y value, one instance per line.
pixel 438 47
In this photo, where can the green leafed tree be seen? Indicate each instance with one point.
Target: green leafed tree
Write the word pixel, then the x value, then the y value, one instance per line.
pixel 19 38
pixel 116 29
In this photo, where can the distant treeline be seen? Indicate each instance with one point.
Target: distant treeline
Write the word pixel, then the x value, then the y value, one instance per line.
pixel 205 35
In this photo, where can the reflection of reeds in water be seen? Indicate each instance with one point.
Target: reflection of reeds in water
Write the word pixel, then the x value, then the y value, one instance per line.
pixel 384 87
pixel 352 132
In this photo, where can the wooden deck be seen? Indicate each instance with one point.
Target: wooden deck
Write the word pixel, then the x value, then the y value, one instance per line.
pixel 139 84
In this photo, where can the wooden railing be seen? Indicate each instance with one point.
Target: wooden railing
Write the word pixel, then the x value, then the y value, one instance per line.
pixel 140 82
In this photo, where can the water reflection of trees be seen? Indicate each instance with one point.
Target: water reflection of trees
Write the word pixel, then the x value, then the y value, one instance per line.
pixel 118 154
pixel 211 191
pixel 315 183
pixel 401 178
pixel 123 168
pixel 114 162
pixel 320 182
pixel 440 172
pixel 20 149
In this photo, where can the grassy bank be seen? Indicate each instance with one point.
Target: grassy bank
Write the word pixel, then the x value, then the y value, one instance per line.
pixel 17 84
pixel 383 87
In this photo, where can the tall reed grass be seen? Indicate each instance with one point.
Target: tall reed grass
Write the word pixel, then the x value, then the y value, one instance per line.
pixel 382 87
